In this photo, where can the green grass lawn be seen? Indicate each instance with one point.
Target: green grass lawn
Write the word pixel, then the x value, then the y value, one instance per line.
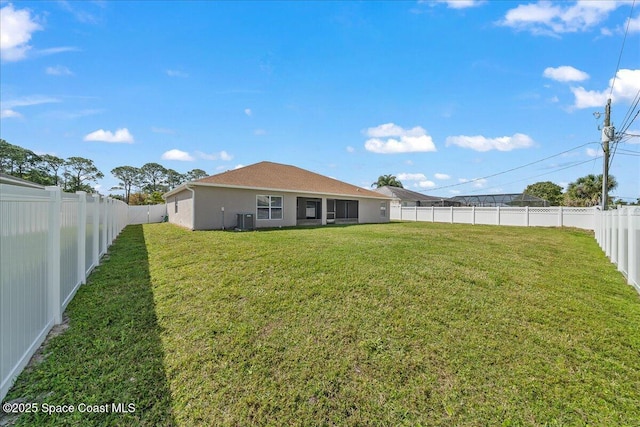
pixel 390 324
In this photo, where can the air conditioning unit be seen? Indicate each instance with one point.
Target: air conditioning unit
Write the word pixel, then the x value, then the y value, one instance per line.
pixel 245 221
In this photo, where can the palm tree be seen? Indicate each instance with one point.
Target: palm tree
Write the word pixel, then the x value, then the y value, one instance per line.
pixel 587 190
pixel 387 180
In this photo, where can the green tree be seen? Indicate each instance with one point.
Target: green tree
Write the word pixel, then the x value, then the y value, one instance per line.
pixel 129 177
pixel 587 190
pixel 547 190
pixel 154 177
pixel 195 174
pixel 52 165
pixel 17 161
pixel 387 180
pixel 174 178
pixel 79 172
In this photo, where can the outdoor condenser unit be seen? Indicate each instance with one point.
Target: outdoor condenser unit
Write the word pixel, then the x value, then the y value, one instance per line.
pixel 245 221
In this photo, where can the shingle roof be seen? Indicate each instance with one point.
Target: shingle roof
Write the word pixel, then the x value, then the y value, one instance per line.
pixel 407 195
pixel 276 176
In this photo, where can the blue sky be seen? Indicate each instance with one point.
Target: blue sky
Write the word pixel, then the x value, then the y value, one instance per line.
pixel 444 95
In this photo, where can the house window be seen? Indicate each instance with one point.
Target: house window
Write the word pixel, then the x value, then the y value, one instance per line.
pixel 383 209
pixel 269 207
pixel 175 205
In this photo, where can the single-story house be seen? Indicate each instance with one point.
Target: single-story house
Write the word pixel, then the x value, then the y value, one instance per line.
pixel 268 194
pixel 407 198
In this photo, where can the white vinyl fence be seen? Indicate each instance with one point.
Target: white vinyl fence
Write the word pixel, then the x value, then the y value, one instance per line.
pixel 49 242
pixel 517 216
pixel 618 234
pixel 617 231
pixel 147 214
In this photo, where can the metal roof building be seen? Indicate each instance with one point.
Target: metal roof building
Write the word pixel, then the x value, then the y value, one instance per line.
pixel 504 200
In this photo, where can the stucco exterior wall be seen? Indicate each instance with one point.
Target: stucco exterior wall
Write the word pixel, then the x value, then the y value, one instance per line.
pixel 369 211
pixel 210 201
pixel 184 215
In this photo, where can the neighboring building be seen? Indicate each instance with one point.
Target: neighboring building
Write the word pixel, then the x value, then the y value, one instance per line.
pixel 407 198
pixel 504 200
pixel 270 194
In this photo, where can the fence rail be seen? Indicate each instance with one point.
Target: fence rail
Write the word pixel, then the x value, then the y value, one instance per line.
pixel 49 242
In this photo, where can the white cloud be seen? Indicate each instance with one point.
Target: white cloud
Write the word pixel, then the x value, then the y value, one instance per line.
pixel 176 154
pixel 625 87
pixel 177 73
pixel 54 50
pixel 121 136
pixel 565 73
pixel 458 4
pixel 476 182
pixel 553 18
pixel 594 152
pixel 426 184
pixel 411 176
pixel 420 180
pixel 248 112
pixel 350 149
pixel 633 24
pixel 390 138
pixel 16 27
pixel 8 113
pixel 58 70
pixel 28 101
pixel 481 143
pixel 442 176
pixel 222 155
pixel 259 132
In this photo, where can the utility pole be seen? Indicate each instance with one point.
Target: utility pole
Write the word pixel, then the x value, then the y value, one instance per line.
pixel 607 135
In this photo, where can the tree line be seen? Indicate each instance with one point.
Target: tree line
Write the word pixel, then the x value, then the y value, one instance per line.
pixel 141 185
pixel 584 191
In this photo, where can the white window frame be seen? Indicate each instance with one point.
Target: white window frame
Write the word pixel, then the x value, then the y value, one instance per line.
pixel 383 209
pixel 270 208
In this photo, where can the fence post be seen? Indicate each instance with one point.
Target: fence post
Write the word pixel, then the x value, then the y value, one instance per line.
pixel 96 230
pixel 433 214
pixel 632 250
pixel 526 214
pixel 607 233
pixel 53 258
pixel 497 215
pixel 82 236
pixel 621 251
pixel 560 217
pixel 114 220
pixel 473 215
pixel 415 208
pixel 451 214
pixel 104 223
pixel 614 236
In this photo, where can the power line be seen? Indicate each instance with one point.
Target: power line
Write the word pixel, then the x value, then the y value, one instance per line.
pixel 622 48
pixel 542 174
pixel 513 169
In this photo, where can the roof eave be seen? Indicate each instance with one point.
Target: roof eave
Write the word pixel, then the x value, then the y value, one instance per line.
pixel 245 187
